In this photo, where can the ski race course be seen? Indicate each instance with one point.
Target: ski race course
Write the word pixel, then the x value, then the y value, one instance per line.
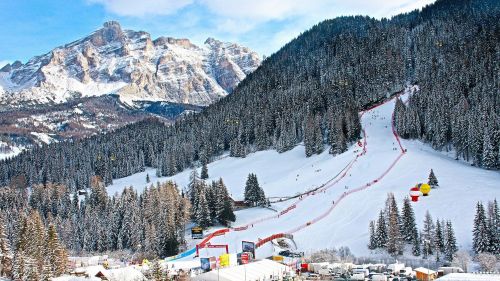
pixel 329 201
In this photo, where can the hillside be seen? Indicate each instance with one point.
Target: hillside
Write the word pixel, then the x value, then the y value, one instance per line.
pixel 311 90
pixel 346 222
pixel 111 78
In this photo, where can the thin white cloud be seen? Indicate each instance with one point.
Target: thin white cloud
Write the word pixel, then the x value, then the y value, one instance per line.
pixel 141 8
pixel 237 19
pixel 265 10
pixel 261 10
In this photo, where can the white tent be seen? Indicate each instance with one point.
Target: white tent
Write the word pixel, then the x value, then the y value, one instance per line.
pixel 125 274
pixel 259 270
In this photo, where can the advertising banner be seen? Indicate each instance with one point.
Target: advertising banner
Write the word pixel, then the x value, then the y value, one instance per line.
pixel 205 264
pixel 197 232
pixel 224 260
pixel 213 262
pixel 248 247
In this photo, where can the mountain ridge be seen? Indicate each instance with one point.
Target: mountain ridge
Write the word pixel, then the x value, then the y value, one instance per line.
pixel 130 64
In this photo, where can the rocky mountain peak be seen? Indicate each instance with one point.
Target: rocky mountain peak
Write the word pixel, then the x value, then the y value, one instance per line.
pixel 111 32
pixel 129 63
pixel 211 41
pixel 183 42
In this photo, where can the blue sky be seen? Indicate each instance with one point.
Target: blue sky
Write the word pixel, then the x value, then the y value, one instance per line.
pixel 34 27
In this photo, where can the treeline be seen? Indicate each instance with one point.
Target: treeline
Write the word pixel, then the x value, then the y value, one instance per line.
pixel 151 222
pixel 394 232
pixel 457 69
pixel 51 219
pixel 37 253
pixel 486 232
pixel 311 91
pixel 211 203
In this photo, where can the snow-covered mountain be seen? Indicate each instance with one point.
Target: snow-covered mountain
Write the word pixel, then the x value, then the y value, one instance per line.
pixel 111 78
pixel 130 64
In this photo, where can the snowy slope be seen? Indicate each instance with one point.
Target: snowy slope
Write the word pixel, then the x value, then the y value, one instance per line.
pixel 346 223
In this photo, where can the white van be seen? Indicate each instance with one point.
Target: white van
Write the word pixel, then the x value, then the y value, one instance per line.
pixel 379 277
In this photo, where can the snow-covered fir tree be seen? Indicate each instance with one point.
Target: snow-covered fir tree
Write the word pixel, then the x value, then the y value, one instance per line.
pixel 415 246
pixel 480 232
pixel 439 239
pixel 224 204
pixel 372 245
pixel 202 215
pixel 450 245
pixel 55 255
pixel 408 226
pixel 433 182
pixel 428 234
pixel 204 171
pixel 381 231
pixel 394 239
pixel 254 194
pixel 5 252
pixel 489 158
pixel 494 227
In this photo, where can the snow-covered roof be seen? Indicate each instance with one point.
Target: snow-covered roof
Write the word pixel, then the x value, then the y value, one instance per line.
pixel 125 274
pixel 425 270
pixel 91 270
pixel 469 277
pixel 253 271
pixel 73 278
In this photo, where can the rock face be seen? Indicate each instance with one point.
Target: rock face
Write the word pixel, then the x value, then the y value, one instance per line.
pixel 131 65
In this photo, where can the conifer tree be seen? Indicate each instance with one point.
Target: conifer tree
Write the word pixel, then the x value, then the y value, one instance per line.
pixel 339 144
pixel 381 233
pixel 250 190
pixel 428 234
pixel 19 270
pixel 225 212
pixel 5 253
pixel 204 172
pixel 489 159
pixel 193 191
pixel 408 226
pixel 159 169
pixel 254 194
pixel 213 195
pixel 309 135
pixel 203 211
pixel 56 254
pixel 433 182
pixel 440 237
pixel 373 241
pixel 394 239
pixel 415 248
pixel 450 247
pixel 494 227
pixel 480 232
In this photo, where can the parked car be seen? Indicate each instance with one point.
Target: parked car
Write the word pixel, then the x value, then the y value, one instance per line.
pixel 287 253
